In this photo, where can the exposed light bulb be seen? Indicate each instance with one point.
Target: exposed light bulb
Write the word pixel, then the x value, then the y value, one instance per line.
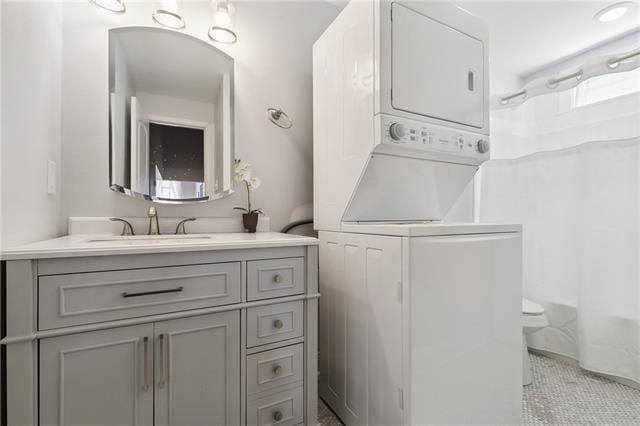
pixel 168 15
pixel 222 35
pixel 113 6
pixel 221 29
pixel 222 18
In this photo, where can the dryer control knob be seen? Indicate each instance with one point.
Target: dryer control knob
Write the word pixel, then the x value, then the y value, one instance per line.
pixel 397 131
pixel 483 146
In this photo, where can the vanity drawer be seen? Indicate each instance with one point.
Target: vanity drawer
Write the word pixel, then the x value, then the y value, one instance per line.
pixel 274 323
pixel 74 299
pixel 282 408
pixel 270 369
pixel 275 278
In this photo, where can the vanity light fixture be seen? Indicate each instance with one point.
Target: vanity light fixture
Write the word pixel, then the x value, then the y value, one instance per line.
pixel 612 12
pixel 167 15
pixel 221 29
pixel 113 6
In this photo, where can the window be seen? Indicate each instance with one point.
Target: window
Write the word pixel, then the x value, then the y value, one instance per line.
pixel 605 87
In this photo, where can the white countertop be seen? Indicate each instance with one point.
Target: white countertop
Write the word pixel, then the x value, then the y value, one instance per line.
pixel 109 245
pixel 424 229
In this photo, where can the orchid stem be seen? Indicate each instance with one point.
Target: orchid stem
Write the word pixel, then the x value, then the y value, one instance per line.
pixel 248 197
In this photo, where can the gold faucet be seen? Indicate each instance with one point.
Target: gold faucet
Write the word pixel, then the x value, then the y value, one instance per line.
pixel 154 225
pixel 180 229
pixel 127 229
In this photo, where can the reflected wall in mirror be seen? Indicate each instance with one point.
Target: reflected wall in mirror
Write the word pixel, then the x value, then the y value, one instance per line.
pixel 171 116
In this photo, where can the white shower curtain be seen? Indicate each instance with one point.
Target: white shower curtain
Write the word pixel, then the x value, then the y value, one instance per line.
pixel 567 166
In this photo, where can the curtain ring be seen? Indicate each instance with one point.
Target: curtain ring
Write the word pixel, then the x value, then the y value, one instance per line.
pixel 507 99
pixel 613 63
pixel 279 118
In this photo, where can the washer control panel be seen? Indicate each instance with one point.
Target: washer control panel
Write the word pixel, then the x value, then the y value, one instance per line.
pixel 430 137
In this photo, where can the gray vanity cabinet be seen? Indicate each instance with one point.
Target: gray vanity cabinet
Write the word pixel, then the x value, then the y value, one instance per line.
pixel 187 370
pixel 217 337
pixel 197 370
pixel 97 375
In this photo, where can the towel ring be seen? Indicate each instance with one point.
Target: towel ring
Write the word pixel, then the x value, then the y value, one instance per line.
pixel 279 118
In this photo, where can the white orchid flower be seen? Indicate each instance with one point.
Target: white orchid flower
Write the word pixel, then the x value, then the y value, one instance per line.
pixel 242 172
pixel 254 183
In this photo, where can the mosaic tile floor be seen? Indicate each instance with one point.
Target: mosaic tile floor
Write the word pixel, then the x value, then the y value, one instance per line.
pixel 562 394
pixel 326 416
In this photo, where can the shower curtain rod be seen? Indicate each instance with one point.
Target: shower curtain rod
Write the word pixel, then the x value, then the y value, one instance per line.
pixel 597 66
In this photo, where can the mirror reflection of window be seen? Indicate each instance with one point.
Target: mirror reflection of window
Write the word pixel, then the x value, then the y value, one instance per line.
pixel 171 125
pixel 177 156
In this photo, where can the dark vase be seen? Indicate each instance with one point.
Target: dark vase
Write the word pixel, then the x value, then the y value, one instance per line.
pixel 250 221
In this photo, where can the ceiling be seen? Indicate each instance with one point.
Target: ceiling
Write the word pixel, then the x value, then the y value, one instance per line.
pixel 527 36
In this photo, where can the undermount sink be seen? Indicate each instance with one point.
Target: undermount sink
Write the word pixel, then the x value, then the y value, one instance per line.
pixel 150 238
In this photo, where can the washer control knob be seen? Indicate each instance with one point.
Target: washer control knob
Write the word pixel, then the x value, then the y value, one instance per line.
pixel 483 146
pixel 397 131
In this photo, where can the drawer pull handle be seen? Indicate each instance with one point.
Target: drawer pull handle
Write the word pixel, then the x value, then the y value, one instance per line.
pixel 149 293
pixel 145 386
pixel 278 279
pixel 277 324
pixel 277 370
pixel 161 368
pixel 277 416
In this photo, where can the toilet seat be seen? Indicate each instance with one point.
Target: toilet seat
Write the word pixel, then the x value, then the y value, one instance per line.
pixel 531 308
pixel 533 317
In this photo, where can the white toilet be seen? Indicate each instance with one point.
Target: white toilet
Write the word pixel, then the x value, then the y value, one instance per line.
pixel 533 319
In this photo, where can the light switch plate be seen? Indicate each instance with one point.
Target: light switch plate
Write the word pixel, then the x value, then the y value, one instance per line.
pixel 51 177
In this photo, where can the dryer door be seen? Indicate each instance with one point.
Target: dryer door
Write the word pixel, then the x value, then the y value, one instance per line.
pixel 437 70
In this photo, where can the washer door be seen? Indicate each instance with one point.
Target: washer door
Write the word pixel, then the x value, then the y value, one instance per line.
pixel 436 70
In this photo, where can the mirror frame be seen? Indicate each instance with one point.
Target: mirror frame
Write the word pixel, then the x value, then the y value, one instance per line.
pixel 119 188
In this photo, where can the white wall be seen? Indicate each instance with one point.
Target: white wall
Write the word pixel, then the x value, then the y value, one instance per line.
pixel 273 68
pixel 30 136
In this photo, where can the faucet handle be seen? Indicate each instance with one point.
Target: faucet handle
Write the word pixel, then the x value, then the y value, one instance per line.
pixel 127 229
pixel 180 229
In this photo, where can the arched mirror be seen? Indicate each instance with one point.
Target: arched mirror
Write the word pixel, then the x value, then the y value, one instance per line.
pixel 171 116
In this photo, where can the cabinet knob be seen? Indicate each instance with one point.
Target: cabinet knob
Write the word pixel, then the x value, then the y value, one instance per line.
pixel 277 370
pixel 279 279
pixel 277 416
pixel 277 324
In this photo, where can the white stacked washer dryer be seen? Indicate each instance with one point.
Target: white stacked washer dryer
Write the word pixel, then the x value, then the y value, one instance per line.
pixel 419 319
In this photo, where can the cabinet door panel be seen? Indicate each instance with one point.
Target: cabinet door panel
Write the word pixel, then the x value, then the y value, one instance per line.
pixel 361 327
pixel 97 378
pixel 197 372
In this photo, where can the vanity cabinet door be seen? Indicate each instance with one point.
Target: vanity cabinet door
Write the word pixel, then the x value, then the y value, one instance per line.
pixel 101 377
pixel 197 371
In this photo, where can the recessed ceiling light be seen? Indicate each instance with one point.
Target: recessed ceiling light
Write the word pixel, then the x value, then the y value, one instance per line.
pixel 612 12
pixel 114 6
